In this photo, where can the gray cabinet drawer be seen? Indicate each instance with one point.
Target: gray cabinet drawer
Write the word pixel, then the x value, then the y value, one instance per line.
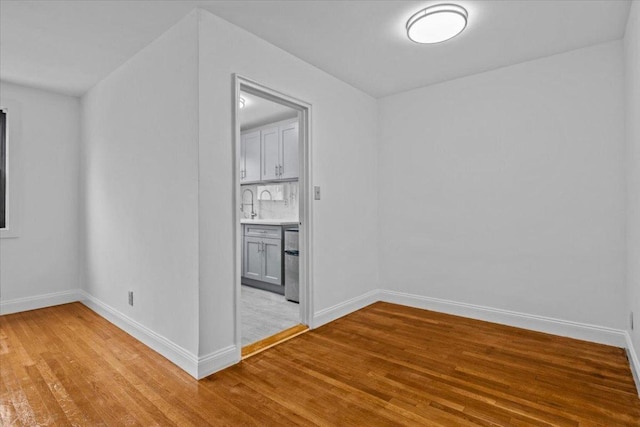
pixel 270 231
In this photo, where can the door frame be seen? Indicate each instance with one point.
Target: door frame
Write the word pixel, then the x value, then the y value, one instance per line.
pixel 305 197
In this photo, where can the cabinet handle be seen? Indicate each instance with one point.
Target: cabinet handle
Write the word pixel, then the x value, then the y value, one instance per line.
pixel 276 170
pixel 262 246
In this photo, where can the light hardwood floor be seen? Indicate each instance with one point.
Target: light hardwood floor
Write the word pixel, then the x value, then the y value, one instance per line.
pixel 383 365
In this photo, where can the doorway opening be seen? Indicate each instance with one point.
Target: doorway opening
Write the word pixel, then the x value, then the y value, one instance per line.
pixel 273 216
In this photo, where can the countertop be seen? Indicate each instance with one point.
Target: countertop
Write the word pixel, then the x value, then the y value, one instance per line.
pixel 269 221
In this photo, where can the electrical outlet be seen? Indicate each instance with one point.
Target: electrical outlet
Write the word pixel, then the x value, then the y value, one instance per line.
pixel 131 298
pixel 316 192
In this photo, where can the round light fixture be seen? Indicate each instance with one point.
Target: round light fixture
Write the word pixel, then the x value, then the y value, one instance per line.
pixel 241 103
pixel 437 23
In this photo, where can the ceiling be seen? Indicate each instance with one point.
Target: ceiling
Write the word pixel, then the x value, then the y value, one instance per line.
pixel 68 46
pixel 259 111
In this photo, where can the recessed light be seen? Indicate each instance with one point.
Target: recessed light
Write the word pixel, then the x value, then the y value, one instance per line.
pixel 241 103
pixel 437 23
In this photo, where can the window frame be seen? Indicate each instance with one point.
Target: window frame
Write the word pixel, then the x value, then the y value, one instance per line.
pixel 13 127
pixel 4 173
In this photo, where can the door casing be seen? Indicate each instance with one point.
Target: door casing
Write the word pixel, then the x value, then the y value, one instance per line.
pixel 305 199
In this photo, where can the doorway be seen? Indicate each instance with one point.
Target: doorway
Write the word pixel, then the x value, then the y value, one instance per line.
pixel 273 298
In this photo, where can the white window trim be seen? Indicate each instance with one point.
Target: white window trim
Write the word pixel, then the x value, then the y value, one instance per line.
pixel 13 111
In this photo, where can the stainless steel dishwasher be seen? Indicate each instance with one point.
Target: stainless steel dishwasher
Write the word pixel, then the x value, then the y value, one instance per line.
pixel 291 268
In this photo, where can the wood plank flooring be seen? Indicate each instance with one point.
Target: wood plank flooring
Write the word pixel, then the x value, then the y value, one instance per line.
pixel 385 365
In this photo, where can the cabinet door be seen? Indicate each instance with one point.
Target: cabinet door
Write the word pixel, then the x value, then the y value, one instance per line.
pixel 289 150
pixel 270 153
pixel 250 157
pixel 272 272
pixel 252 262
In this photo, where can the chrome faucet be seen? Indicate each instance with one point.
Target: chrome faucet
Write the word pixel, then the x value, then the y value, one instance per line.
pixel 253 213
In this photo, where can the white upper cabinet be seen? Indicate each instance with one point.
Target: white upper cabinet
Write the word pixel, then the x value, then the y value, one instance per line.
pixel 270 138
pixel 289 151
pixel 270 153
pixel 250 157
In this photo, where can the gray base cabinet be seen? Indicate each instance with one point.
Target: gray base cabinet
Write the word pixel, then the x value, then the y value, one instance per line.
pixel 272 270
pixel 262 256
pixel 252 258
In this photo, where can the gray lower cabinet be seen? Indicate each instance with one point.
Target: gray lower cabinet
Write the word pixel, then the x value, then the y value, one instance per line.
pixel 272 255
pixel 252 258
pixel 262 258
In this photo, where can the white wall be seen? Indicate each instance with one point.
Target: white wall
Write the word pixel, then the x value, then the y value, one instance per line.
pixel 140 183
pixel 503 189
pixel 344 164
pixel 632 90
pixel 506 189
pixel 43 148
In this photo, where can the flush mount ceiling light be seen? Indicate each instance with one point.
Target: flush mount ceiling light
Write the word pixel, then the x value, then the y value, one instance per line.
pixel 437 23
pixel 241 103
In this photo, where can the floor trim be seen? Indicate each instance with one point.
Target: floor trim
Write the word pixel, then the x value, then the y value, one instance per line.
pixel 634 361
pixel 167 348
pixel 581 331
pixel 273 340
pixel 200 367
pixel 39 301
pixel 217 361
pixel 342 309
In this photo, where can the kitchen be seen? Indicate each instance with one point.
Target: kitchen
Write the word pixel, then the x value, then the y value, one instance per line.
pixel 269 217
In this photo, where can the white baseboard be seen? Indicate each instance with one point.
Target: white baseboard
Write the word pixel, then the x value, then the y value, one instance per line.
pixel 342 309
pixel 39 301
pixel 634 361
pixel 565 328
pixel 217 361
pixel 197 367
pixel 200 367
pixel 167 348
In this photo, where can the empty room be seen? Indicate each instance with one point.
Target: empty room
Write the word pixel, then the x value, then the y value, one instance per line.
pixel 331 213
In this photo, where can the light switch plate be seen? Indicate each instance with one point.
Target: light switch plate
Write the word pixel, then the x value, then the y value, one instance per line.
pixel 316 192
